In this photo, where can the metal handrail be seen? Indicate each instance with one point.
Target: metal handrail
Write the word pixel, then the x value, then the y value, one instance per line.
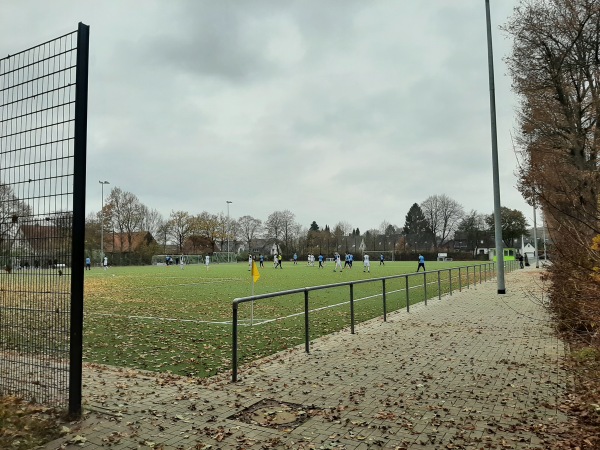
pixel 489 267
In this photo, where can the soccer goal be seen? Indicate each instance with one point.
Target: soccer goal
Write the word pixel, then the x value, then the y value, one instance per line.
pixel 223 257
pixel 374 255
pixel 161 260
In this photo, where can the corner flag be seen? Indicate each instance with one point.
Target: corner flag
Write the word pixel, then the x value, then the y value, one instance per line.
pixel 255 274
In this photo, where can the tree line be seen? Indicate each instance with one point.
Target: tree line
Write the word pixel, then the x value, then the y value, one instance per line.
pixel 428 226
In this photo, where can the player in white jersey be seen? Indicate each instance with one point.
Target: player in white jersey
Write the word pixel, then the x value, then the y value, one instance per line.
pixel 366 264
pixel 338 262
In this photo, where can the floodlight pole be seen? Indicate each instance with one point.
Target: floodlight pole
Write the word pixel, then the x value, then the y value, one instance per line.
pixel 228 203
pixel 496 176
pixel 102 183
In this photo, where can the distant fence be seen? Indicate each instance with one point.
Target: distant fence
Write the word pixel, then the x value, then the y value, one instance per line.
pixel 443 281
pixel 43 123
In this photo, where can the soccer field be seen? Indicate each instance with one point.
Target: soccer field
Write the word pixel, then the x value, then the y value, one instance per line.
pixel 167 319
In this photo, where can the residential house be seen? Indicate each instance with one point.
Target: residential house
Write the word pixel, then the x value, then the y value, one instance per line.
pixel 34 245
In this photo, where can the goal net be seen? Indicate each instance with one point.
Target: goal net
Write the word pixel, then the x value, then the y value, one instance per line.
pixel 223 257
pixel 161 260
pixel 216 257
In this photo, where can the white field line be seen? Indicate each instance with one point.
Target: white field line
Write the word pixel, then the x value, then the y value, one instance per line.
pixel 166 319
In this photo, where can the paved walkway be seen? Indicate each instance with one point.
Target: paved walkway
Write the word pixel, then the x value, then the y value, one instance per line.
pixel 472 370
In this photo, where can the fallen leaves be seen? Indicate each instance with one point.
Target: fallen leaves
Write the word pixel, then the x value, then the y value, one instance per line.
pixel 24 425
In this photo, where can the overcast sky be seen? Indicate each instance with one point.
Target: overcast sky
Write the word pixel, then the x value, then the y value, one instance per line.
pixel 335 110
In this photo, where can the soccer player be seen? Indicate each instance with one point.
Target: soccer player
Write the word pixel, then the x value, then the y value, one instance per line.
pixel 207 261
pixel 261 260
pixel 421 263
pixel 295 258
pixel 366 263
pixel 105 263
pixel 88 263
pixel 381 260
pixel 346 260
pixel 249 262
pixel 279 259
pixel 338 262
pixel 181 262
pixel 321 261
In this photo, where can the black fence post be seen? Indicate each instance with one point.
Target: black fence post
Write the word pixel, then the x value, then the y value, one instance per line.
pixel 425 286
pixel 352 308
pixel 78 236
pixel 439 285
pixel 459 280
pixel 234 344
pixel 384 302
pixel 407 295
pixel 450 279
pixel 306 323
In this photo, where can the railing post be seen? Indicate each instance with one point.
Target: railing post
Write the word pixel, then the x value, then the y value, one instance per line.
pixel 450 279
pixel 425 286
pixel 384 303
pixel 306 323
pixel 479 274
pixel 459 280
pixel 352 308
pixel 468 281
pixel 439 286
pixel 407 295
pixel 234 344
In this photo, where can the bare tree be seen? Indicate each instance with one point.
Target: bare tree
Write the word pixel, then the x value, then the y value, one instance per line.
pixel 180 226
pixel 250 229
pixel 344 227
pixel 12 212
pixel 209 226
pixel 278 227
pixel 126 213
pixel 554 66
pixel 443 216
pixel 290 229
pixel 153 222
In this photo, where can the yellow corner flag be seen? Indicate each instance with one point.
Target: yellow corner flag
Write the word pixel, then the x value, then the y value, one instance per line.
pixel 255 274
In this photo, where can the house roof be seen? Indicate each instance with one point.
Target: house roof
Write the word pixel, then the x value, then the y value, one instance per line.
pixel 119 242
pixel 42 238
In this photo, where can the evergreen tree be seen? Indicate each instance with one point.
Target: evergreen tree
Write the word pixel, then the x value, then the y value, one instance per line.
pixel 416 230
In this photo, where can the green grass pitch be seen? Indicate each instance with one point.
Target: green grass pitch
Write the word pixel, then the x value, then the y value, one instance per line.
pixel 167 319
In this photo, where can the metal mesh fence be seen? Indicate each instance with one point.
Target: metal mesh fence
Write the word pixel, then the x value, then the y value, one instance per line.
pixel 39 212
